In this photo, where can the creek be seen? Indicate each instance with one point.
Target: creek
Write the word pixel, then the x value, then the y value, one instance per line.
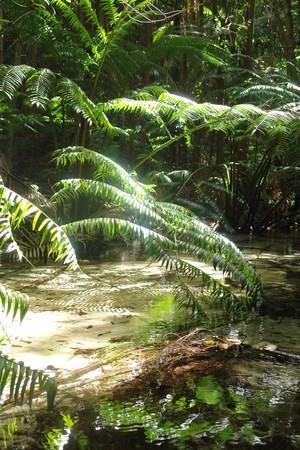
pixel 123 305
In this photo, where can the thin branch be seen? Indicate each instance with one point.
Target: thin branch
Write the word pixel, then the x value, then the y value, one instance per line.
pixel 157 12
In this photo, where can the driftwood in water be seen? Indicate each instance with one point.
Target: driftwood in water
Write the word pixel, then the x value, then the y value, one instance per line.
pixel 176 361
pixel 249 352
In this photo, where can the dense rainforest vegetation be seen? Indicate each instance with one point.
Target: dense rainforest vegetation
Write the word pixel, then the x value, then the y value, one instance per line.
pixel 166 122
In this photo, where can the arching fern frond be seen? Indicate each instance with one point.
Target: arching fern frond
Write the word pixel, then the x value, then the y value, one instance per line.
pixel 74 21
pixel 186 299
pixel 40 87
pixel 112 227
pixel 276 94
pixel 196 48
pixel 73 188
pixel 111 11
pixel 76 98
pixel 12 78
pixel 16 211
pixel 195 238
pixel 104 169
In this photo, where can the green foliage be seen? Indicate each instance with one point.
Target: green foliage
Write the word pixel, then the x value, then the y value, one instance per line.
pixel 14 301
pixel 22 382
pixel 169 233
pixel 208 391
pixel 12 427
pixel 179 416
pixel 16 212
pixel 57 436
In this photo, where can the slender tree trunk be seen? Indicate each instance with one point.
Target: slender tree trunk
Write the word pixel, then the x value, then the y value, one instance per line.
pixel 148 44
pixel 215 7
pixel 250 14
pixel 199 11
pixel 280 29
pixel 1 39
pixel 289 40
pixel 183 62
pixel 298 31
pixel 18 54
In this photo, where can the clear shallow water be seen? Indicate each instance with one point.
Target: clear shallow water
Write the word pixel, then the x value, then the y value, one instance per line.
pixel 254 401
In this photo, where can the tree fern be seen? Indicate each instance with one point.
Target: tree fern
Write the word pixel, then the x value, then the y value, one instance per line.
pixel 169 233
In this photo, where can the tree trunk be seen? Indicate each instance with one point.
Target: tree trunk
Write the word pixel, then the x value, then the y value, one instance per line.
pixel 183 60
pixel 1 38
pixel 250 14
pixel 298 37
pixel 289 40
pixel 18 54
pixel 280 30
pixel 199 11
pixel 149 28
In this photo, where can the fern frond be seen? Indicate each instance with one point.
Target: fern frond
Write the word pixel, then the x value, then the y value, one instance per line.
pixel 278 94
pixel 196 48
pixel 269 120
pixel 13 301
pixel 73 188
pixel 12 78
pixel 111 11
pixel 90 12
pixel 115 227
pixel 40 86
pixel 23 382
pixel 74 21
pixel 17 210
pixel 187 300
pixel 105 168
pixel 214 289
pixel 195 238
pixel 76 98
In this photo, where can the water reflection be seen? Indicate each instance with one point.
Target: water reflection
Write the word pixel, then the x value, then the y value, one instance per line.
pixel 232 411
pixel 253 402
